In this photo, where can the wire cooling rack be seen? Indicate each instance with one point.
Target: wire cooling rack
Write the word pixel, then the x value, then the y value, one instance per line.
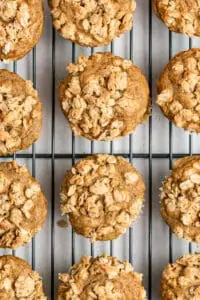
pixel 149 244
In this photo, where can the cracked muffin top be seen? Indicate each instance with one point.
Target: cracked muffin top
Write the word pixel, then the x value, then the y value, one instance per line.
pixel 179 90
pixel 23 207
pixel 180 206
pixel 103 277
pixel 104 97
pixel 20 113
pixel 181 280
pixel 181 16
pixel 18 281
pixel 92 23
pixel 102 195
pixel 21 24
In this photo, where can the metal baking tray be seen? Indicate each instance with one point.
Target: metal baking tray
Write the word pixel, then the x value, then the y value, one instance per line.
pixel 149 245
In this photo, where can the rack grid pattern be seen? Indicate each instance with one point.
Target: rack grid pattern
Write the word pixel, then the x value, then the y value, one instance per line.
pixel 148 156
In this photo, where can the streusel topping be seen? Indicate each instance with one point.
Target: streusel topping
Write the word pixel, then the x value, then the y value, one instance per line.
pixel 104 96
pixel 22 205
pixel 180 206
pixel 181 280
pixel 102 195
pixel 179 90
pixel 103 277
pixel 92 22
pixel 180 15
pixel 18 281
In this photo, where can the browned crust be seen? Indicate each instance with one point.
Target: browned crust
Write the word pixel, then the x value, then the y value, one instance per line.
pixel 32 132
pixel 36 29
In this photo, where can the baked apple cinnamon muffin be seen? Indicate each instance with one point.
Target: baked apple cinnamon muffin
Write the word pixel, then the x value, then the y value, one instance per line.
pixel 23 206
pixel 180 206
pixel 92 23
pixel 21 24
pixel 104 97
pixel 18 280
pixel 103 277
pixel 102 195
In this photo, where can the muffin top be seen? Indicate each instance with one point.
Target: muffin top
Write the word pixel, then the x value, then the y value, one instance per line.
pixel 179 90
pixel 179 15
pixel 102 195
pixel 180 206
pixel 21 113
pixel 23 207
pixel 18 281
pixel 92 22
pixel 181 280
pixel 21 23
pixel 103 277
pixel 104 96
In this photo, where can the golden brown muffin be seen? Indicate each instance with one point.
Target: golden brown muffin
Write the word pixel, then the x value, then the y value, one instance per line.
pixel 104 96
pixel 103 277
pixel 102 195
pixel 18 281
pixel 180 206
pixel 179 15
pixel 179 90
pixel 92 23
pixel 23 207
pixel 181 280
pixel 21 24
pixel 20 113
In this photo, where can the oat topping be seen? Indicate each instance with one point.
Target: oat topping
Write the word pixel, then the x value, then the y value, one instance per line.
pixel 20 113
pixel 22 205
pixel 92 22
pixel 102 195
pixel 103 277
pixel 180 206
pixel 17 21
pixel 18 281
pixel 181 280
pixel 179 90
pixel 104 96
pixel 180 15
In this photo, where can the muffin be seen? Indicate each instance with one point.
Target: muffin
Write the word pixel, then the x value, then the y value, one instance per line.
pixel 18 281
pixel 102 196
pixel 180 280
pixel 21 113
pixel 179 90
pixel 21 24
pixel 181 16
pixel 92 23
pixel 23 207
pixel 104 97
pixel 103 277
pixel 180 206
